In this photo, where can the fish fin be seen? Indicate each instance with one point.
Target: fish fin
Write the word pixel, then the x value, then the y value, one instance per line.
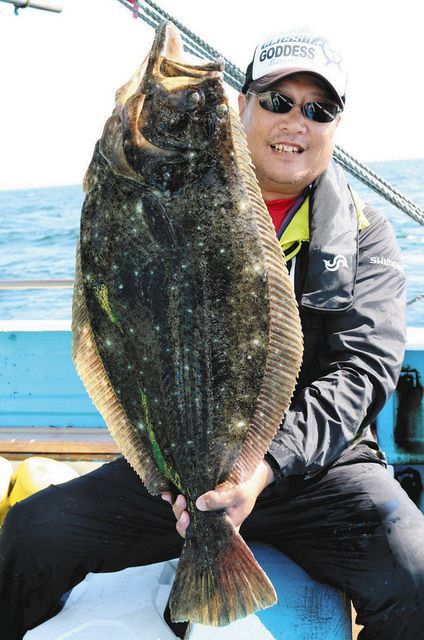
pixel 218 589
pixel 92 372
pixel 285 341
pixel 95 170
pixel 91 174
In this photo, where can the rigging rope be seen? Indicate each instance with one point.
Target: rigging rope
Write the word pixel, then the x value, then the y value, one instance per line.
pixel 154 15
pixel 416 299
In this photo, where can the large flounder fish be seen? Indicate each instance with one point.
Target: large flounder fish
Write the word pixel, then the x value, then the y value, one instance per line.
pixel 185 328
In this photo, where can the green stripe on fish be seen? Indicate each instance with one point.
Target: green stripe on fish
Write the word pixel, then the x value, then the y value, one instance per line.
pixel 102 295
pixel 162 464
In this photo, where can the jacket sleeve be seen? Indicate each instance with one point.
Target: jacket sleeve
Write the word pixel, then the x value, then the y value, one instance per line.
pixel 360 360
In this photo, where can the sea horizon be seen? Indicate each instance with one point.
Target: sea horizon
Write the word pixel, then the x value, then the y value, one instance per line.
pixel 39 230
pixel 76 184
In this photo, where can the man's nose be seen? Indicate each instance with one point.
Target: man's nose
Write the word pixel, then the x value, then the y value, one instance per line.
pixel 293 120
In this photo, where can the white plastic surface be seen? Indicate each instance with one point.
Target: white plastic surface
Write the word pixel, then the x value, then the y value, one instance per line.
pixel 249 628
pixel 125 605
pixel 129 605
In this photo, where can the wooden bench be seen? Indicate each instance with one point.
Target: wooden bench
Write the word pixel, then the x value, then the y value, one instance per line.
pixel 61 443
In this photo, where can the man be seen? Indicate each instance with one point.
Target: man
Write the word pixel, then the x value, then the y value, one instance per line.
pixel 331 504
pixel 323 494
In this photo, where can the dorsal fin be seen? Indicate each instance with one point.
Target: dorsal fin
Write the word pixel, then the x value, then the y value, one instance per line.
pixel 285 346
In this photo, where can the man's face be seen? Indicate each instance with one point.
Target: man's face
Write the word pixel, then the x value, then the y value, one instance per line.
pixel 286 173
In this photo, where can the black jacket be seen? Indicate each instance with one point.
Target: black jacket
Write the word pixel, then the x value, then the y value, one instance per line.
pixel 353 319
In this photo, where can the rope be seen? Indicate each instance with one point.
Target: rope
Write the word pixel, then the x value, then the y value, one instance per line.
pixel 419 297
pixel 155 15
pixel 379 184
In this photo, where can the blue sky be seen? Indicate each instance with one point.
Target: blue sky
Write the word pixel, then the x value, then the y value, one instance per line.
pixel 59 73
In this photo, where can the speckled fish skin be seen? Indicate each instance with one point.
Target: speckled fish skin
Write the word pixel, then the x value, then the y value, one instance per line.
pixel 185 328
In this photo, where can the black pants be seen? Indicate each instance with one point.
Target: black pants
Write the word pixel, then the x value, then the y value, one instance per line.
pixel 354 528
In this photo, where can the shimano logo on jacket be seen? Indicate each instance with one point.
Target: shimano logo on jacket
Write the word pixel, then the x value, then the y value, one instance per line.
pixel 338 261
pixel 386 262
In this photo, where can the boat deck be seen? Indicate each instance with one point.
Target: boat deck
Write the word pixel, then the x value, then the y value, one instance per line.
pixel 46 411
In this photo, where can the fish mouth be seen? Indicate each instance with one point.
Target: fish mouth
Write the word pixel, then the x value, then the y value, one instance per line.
pixel 153 144
pixel 147 145
pixel 172 149
pixel 177 75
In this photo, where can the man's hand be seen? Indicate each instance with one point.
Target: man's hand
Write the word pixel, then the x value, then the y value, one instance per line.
pixel 238 501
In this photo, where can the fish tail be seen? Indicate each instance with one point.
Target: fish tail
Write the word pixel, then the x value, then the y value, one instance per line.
pixel 217 585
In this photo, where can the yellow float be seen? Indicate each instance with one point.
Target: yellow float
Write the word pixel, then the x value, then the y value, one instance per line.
pixel 32 475
pixel 6 472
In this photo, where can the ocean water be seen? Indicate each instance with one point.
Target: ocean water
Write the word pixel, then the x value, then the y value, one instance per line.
pixel 39 229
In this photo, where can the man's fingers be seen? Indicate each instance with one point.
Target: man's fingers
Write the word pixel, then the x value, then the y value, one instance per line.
pixel 223 497
pixel 217 499
pixel 183 523
pixel 179 506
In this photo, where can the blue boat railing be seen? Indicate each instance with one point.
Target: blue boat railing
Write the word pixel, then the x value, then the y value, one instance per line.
pixel 39 385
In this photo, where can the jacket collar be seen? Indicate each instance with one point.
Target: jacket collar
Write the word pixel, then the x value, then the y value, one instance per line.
pixel 329 219
pixel 333 244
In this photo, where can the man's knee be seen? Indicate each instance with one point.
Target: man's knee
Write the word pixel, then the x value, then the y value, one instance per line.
pixel 31 551
pixel 31 525
pixel 388 600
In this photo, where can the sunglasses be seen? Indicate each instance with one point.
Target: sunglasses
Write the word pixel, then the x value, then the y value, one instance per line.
pixel 279 103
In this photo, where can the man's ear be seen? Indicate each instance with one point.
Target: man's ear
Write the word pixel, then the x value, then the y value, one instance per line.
pixel 241 103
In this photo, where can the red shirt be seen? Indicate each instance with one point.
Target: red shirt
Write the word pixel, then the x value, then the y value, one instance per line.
pixel 278 210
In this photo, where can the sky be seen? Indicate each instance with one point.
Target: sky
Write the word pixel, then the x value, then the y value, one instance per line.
pixel 59 73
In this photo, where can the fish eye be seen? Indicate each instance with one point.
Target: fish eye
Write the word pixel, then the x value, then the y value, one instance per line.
pixel 194 99
pixel 222 110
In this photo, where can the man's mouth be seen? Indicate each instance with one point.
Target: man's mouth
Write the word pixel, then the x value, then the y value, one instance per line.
pixel 287 148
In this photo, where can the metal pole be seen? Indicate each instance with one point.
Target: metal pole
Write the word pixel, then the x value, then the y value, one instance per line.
pixel 40 4
pixel 36 284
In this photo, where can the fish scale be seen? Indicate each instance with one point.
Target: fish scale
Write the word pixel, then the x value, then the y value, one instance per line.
pixel 186 333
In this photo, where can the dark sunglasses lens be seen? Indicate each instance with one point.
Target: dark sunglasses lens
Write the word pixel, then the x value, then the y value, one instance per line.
pixel 275 102
pixel 320 111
